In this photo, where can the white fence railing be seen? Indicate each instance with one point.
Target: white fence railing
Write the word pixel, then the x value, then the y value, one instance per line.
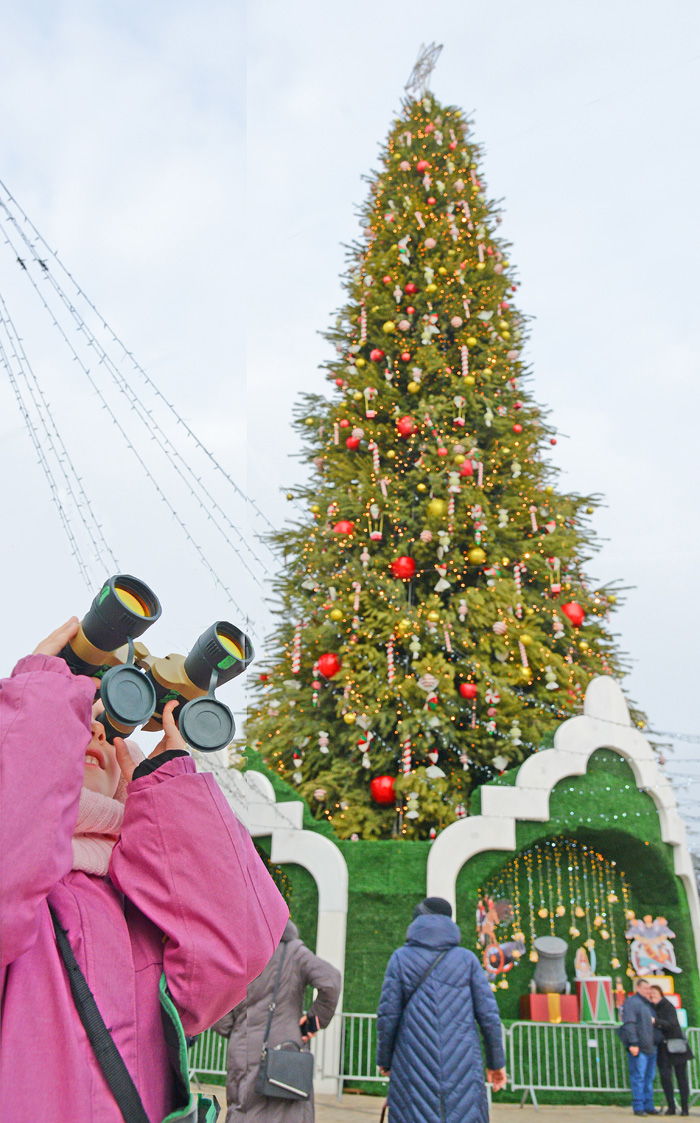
pixel 568 1057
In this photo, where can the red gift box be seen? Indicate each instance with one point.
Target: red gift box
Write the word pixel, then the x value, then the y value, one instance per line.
pixel 675 1000
pixel 549 1007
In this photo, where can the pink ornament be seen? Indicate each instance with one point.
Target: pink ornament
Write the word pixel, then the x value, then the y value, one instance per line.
pixel 403 325
pixel 500 627
pixel 405 166
pixel 426 535
pixel 430 243
pixel 456 321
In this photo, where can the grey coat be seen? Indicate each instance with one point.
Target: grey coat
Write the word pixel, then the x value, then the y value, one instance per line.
pixel 245 1028
pixel 638 1024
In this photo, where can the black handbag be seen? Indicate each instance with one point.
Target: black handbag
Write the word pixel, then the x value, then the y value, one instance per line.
pixel 286 1072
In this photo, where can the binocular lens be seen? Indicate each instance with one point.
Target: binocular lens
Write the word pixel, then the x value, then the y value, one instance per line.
pixel 131 600
pixel 129 699
pixel 230 644
pixel 223 648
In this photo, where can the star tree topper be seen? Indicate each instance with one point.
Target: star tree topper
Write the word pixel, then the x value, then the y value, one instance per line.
pixel 425 64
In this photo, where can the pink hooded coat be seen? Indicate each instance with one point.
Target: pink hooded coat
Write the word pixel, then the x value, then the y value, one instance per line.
pixel 186 894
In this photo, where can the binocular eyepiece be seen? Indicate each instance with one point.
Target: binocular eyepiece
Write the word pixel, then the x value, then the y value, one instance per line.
pixel 135 686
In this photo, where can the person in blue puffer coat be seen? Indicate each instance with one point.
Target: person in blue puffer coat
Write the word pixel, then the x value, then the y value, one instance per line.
pixel 427 1036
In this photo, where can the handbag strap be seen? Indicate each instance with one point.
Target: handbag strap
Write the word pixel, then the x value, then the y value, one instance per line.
pixel 108 1056
pixel 423 978
pixel 273 1003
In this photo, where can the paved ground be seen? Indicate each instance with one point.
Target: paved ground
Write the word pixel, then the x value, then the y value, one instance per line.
pixel 366 1109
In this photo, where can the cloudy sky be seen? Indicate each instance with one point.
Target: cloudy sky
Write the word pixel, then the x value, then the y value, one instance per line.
pixel 197 168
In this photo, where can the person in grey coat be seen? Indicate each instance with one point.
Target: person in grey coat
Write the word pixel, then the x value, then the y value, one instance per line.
pixel 435 999
pixel 640 1038
pixel 245 1028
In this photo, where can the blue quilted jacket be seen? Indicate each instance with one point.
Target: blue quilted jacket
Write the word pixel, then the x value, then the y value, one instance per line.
pixel 431 1041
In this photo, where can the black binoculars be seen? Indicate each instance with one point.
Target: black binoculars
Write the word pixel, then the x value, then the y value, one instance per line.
pixel 136 685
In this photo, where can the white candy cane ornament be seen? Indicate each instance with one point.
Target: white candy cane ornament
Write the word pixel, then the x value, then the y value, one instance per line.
pixel 336 433
pixel 296 649
pixel 390 661
pixel 480 250
pixel 465 360
pixel 533 516
pixel 363 323
pixel 480 473
pixel 419 220
pixel 523 654
pixel 448 642
pixel 356 604
pixel 406 758
pixel 374 449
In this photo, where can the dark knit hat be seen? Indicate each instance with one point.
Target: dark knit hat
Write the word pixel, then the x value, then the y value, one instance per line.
pixel 432 906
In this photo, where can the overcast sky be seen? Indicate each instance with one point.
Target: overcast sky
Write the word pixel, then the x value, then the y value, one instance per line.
pixel 197 167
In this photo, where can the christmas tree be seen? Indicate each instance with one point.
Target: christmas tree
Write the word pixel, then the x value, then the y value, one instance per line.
pixel 435 620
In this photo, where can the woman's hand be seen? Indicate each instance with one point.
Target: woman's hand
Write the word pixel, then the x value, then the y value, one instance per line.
pixel 497 1077
pixel 58 638
pixel 171 740
pixel 384 1071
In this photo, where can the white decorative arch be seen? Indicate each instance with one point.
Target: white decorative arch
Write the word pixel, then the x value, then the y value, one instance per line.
pixel 252 797
pixel 605 723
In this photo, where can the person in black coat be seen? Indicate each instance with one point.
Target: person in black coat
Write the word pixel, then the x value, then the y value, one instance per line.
pixel 666 1020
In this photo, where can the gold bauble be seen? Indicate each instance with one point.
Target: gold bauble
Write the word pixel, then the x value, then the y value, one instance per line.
pixel 505 561
pixel 290 495
pixel 433 616
pixel 335 614
pixel 413 387
pixel 504 325
pixel 526 639
pixel 309 421
pixel 404 627
pixel 469 380
pixel 314 508
pixel 460 458
pixel 549 490
pixel 481 265
pixel 584 645
pixel 471 341
pixel 357 396
pixel 431 288
pixel 526 674
pixel 542 913
pixel 590 510
pixel 349 719
pixel 390 454
pixel 612 599
pixel 442 271
pixel 505 335
pixel 360 362
pixel 476 556
pixel 421 487
pixel 389 327
pixel 505 264
pixel 437 508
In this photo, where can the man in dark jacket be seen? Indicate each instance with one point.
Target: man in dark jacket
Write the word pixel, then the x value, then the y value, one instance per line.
pixel 434 995
pixel 640 1039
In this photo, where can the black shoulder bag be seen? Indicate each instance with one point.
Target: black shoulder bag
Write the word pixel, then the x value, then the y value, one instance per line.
pixel 286 1072
pixel 191 1109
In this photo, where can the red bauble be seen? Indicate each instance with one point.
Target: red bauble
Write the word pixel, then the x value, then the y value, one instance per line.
pixel 468 690
pixel 517 428
pixel 345 526
pixel 430 127
pixel 382 790
pixel 405 426
pixel 431 201
pixel 339 382
pixel 411 288
pixel 353 442
pixel 574 612
pixel 452 145
pixel 263 678
pixel 422 166
pixel 552 440
pixel 410 310
pixel 403 567
pixel 466 468
pixel 386 280
pixel 442 452
pixel 405 356
pixel 376 355
pixel 328 664
pixel 344 423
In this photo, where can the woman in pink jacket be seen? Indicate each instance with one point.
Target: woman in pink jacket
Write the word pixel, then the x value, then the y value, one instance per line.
pixel 151 876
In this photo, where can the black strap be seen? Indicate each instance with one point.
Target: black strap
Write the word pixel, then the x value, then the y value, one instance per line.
pixel 432 967
pixel 274 999
pixel 108 1056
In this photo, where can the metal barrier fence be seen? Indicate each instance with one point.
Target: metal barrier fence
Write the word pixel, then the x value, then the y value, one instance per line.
pixel 567 1057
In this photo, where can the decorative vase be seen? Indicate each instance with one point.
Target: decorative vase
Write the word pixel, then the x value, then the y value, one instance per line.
pixel 550 972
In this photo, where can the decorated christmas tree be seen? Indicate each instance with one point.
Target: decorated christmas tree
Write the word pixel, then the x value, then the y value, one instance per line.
pixel 435 619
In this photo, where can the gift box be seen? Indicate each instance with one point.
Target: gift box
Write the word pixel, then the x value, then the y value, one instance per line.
pixel 664 981
pixel 675 1000
pixel 595 999
pixel 549 1007
pixel 683 1018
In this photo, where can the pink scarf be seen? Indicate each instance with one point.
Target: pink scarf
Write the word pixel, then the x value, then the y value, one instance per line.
pixel 99 823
